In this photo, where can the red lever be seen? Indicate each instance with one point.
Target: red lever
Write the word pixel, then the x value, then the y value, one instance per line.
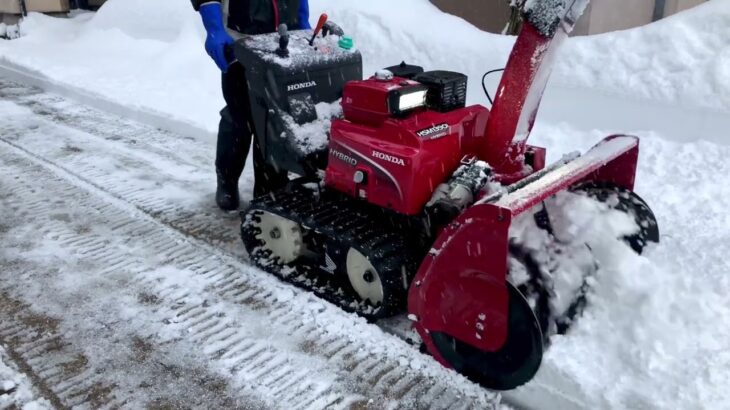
pixel 320 24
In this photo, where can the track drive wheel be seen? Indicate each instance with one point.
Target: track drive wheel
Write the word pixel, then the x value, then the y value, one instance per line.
pixel 627 201
pixel 273 238
pixel 515 364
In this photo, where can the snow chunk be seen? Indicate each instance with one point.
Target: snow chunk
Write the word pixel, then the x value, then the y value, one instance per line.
pixel 10 32
pixel 314 136
pixel 15 388
pixel 324 49
pixel 546 15
pixel 6 386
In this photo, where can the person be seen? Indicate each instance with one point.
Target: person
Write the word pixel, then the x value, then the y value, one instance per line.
pixel 236 125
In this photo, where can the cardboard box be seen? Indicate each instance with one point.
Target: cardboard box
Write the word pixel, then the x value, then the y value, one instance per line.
pixel 44 6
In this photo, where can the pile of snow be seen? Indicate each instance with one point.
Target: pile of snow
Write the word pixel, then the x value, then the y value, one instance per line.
pixel 144 55
pixel 15 388
pixel 300 53
pixel 150 55
pixel 545 15
pixel 9 32
pixel 683 59
pixel 313 136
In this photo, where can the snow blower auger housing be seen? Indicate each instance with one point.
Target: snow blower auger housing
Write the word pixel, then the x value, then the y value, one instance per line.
pixel 411 196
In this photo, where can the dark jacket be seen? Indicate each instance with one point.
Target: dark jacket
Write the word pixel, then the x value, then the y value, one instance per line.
pixel 264 16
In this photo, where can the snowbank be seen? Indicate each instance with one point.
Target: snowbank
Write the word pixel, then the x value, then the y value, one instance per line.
pixel 683 59
pixel 145 55
pixel 149 55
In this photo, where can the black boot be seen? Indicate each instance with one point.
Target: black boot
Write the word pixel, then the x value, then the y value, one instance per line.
pixel 226 196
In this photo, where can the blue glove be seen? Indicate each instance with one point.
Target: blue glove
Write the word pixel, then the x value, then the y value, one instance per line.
pixel 303 15
pixel 218 39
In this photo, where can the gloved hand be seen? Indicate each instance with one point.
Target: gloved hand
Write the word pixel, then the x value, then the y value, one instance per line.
pixel 218 39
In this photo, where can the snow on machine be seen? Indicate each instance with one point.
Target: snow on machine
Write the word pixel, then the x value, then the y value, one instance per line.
pixel 405 197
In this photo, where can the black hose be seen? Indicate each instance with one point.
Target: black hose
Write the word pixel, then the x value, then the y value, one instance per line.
pixel 484 87
pixel 23 9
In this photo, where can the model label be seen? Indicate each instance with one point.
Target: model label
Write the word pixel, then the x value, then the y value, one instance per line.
pixel 343 157
pixel 434 132
pixel 301 86
pixel 389 158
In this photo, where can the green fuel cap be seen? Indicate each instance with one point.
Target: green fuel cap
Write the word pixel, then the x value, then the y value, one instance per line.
pixel 346 43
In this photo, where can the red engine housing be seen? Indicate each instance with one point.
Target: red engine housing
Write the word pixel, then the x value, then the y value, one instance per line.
pixel 394 161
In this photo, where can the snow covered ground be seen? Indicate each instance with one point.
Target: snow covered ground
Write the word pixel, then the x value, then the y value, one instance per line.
pixel 656 335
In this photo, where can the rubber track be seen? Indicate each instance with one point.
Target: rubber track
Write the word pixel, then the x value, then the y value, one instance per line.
pixel 351 225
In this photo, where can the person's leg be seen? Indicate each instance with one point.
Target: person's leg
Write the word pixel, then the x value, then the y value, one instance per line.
pixel 233 149
pixel 230 158
pixel 234 137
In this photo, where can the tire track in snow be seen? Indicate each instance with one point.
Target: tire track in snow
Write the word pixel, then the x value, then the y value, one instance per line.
pixel 156 171
pixel 168 176
pixel 54 299
pixel 221 297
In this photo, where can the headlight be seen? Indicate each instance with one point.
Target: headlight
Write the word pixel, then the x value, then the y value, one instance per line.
pixel 412 100
pixel 405 99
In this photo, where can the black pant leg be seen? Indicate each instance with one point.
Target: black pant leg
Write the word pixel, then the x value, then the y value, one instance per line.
pixel 234 129
pixel 234 137
pixel 231 149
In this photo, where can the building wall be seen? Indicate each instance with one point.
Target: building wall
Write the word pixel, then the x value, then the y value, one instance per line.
pixel 610 15
pixel 675 6
pixel 46 6
pixel 489 15
pixel 601 16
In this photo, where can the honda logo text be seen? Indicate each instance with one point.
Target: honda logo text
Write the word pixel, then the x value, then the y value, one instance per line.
pixel 301 86
pixel 389 158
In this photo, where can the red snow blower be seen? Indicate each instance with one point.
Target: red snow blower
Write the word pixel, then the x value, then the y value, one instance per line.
pixel 404 196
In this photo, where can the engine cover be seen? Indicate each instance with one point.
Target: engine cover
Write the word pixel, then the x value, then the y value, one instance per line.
pixel 397 162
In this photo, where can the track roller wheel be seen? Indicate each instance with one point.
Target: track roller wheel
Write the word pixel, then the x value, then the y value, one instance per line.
pixel 364 278
pixel 515 364
pixel 378 271
pixel 629 202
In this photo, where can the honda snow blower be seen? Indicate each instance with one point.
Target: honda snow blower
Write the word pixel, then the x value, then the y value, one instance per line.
pixel 404 196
